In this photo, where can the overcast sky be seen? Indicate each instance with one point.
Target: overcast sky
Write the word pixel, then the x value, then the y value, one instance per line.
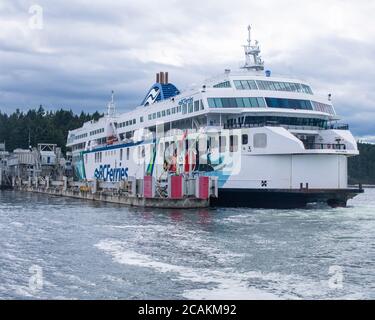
pixel 83 49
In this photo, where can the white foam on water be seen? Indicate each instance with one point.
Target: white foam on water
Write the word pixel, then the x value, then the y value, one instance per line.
pixel 17 224
pixel 226 283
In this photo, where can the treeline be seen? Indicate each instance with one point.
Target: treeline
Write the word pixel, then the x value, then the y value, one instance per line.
pixel 40 126
pixel 362 168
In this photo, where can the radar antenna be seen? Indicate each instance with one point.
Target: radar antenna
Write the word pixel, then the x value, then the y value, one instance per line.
pixel 252 54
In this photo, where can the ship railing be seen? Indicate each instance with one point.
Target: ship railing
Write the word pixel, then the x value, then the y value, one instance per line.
pixel 286 126
pixel 338 126
pixel 325 146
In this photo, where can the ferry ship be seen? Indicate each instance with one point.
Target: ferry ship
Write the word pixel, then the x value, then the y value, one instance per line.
pixel 270 140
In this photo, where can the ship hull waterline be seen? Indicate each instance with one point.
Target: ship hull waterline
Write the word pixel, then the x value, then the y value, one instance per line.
pixel 282 198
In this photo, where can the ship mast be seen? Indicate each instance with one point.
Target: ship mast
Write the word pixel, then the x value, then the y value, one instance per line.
pixel 111 109
pixel 252 54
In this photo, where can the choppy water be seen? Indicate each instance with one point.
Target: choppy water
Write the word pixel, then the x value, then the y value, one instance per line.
pixel 86 250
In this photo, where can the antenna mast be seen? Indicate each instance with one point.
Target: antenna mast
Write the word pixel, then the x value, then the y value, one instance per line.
pixel 111 110
pixel 252 54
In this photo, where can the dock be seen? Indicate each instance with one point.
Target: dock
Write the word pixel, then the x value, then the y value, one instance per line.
pixel 178 192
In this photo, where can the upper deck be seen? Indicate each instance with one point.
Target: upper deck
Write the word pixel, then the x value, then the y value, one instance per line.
pixel 250 95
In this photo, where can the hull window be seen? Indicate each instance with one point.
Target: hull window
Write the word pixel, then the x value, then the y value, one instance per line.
pixel 260 140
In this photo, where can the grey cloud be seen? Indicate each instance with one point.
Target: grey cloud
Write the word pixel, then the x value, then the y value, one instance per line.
pixel 88 48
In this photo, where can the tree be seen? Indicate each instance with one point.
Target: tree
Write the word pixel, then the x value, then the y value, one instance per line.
pixel 42 126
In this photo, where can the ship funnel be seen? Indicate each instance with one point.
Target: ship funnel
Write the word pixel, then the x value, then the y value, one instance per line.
pixel 162 77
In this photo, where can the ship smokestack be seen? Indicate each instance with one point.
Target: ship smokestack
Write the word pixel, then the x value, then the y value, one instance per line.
pixel 162 77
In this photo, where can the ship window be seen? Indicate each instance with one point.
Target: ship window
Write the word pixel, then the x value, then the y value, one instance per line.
pixel 237 102
pixel 245 85
pixel 127 153
pixel 121 151
pixel 260 140
pixel 168 112
pixel 322 107
pixel 190 106
pixel 154 116
pixel 233 143
pixel 261 102
pixel 225 84
pixel 226 102
pixel 218 103
pixel 289 103
pixel 247 102
pixel 240 103
pixel 238 85
pixel 163 113
pixel 149 116
pixel 141 119
pixel 134 121
pixel 212 143
pixel 159 114
pixel 252 84
pixel 245 139
pixel 196 105
pixel 202 105
pixel 254 102
pixel 222 143
pixel 184 109
pixel 211 102
pixel 283 86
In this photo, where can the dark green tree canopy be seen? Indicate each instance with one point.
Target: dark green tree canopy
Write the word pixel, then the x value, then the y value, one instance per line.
pixel 41 126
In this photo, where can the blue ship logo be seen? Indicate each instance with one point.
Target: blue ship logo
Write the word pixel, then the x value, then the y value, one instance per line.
pixel 106 173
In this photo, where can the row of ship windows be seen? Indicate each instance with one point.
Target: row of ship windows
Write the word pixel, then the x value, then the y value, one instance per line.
pixel 322 107
pixel 190 107
pixel 92 133
pixel 95 132
pixel 269 102
pixel 128 123
pixel 268 120
pixel 164 113
pixel 236 103
pixel 266 85
pixel 184 108
pixel 81 136
pixel 98 157
pixel 225 84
